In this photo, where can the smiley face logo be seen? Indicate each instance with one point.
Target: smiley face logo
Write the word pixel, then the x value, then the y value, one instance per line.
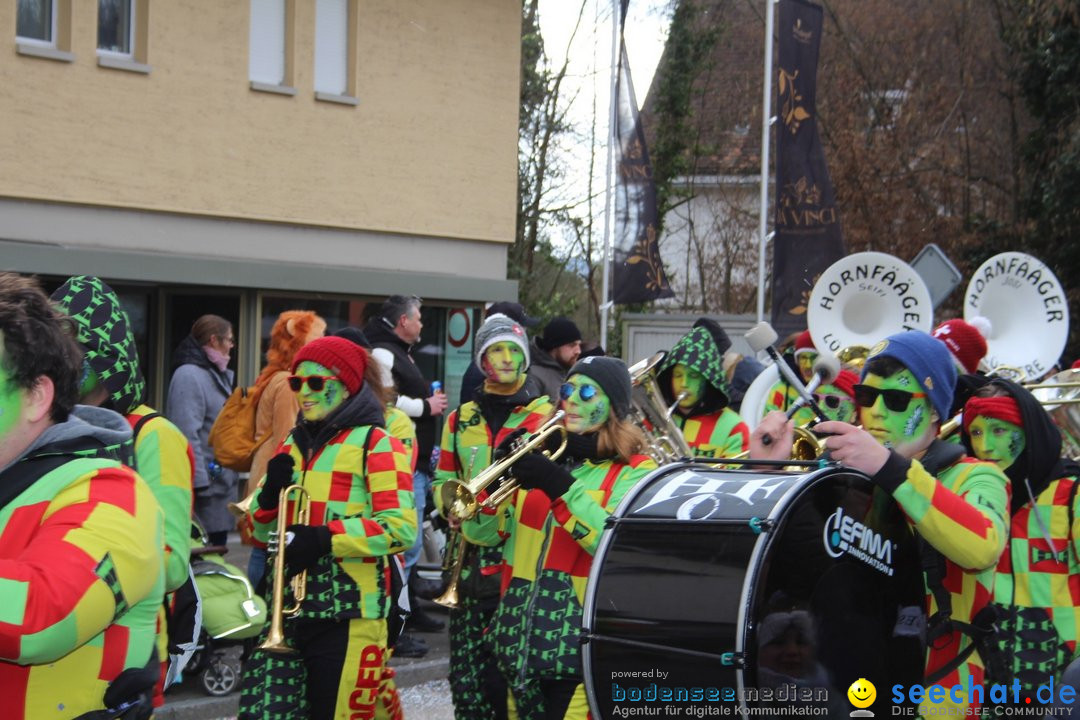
pixel 862 693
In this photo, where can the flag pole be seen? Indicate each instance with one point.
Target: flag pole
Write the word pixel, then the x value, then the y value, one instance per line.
pixel 766 125
pixel 609 199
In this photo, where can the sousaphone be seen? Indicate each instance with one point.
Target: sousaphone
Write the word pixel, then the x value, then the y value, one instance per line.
pixel 1027 309
pixel 865 297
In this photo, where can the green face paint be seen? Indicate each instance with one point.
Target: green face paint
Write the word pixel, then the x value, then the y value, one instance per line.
pixel 11 402
pixel 585 415
pixel 897 430
pixel 315 406
pixel 502 363
pixel 89 380
pixel 996 441
pixel 687 380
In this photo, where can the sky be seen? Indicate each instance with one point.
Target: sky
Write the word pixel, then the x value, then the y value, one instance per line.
pixel 589 75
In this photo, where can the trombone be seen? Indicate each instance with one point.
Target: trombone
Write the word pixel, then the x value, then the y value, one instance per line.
pixel 459 497
pixel 275 637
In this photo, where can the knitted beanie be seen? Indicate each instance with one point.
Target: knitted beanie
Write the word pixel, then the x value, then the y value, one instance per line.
pixel 965 341
pixel 500 328
pixel 613 378
pixel 928 360
pixel 344 358
pixel 804 343
pixel 559 331
pixel 845 382
pixel 104 332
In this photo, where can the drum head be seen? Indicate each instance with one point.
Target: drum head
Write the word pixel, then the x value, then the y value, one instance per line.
pixel 722 589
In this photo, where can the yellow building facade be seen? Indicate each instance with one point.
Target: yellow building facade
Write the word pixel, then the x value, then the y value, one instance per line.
pixel 260 154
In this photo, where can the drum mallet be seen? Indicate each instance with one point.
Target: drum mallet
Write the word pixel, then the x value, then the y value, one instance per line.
pixel 761 337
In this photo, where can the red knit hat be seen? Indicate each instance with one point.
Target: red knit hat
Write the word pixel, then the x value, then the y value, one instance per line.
pixel 346 359
pixel 965 341
pixel 804 342
pixel 845 382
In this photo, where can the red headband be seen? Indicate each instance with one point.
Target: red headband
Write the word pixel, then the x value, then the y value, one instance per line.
pixel 1000 408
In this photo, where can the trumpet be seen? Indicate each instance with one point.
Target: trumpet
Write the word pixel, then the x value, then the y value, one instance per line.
pixel 449 598
pixel 275 637
pixel 240 509
pixel 459 497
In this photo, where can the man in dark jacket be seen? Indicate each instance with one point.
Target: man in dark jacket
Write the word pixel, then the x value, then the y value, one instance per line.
pixel 393 333
pixel 553 354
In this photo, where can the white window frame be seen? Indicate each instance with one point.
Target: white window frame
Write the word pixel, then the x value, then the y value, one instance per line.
pixel 51 42
pixel 346 96
pixel 285 85
pixel 132 24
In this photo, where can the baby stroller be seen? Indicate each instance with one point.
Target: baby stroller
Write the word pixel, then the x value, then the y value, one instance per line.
pixel 231 615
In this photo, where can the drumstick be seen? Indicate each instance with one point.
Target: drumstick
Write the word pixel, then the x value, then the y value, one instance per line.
pixel 761 337
pixel 826 368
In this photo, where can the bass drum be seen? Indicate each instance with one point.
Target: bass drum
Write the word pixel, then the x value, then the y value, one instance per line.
pixel 718 591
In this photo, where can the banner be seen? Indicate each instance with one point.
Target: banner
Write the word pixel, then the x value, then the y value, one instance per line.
pixel 638 274
pixel 807 227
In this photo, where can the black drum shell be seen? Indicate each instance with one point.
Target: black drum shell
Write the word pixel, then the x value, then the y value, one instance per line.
pixel 703 571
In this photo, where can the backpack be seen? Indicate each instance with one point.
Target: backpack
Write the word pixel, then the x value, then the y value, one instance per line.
pixel 233 434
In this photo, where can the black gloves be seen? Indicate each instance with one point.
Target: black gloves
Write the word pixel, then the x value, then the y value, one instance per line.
pixel 279 472
pixel 309 543
pixel 506 445
pixel 535 472
pixel 582 447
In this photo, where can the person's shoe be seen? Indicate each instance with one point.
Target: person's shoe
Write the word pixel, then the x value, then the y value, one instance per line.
pixel 408 646
pixel 420 621
pixel 424 588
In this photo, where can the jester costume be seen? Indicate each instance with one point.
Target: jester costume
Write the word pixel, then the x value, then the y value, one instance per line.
pixel 710 427
pixel 360 486
pixel 81 573
pixel 1037 587
pixel 471 434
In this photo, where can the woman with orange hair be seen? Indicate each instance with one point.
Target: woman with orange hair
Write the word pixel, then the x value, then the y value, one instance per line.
pixel 276 406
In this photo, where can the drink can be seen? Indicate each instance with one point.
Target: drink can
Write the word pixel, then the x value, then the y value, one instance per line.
pixel 436 387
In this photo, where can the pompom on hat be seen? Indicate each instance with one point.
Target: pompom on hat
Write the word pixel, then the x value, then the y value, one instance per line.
pixel 965 340
pixel 344 358
pixel 928 360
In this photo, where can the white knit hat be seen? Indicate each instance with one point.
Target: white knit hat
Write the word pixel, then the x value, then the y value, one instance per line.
pixel 500 328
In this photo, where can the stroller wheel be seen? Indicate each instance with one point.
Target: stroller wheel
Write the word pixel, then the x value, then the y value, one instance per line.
pixel 220 678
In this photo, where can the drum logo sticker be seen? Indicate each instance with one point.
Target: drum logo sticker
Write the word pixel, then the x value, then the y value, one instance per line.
pixel 844 534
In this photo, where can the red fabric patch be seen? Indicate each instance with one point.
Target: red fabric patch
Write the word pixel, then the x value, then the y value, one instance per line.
pixel 114 651
pixel 340 486
pixel 22 525
pixel 384 500
pixel 13 678
pixel 115 486
pixel 378 462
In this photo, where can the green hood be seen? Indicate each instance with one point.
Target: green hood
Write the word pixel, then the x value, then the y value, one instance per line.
pixel 105 336
pixel 702 349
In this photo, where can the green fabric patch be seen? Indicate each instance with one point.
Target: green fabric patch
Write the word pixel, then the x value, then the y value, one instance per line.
pixel 12 601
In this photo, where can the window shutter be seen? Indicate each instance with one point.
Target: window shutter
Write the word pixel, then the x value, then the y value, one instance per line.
pixel 266 62
pixel 331 51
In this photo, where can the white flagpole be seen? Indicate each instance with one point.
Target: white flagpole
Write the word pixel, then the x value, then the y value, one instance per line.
pixel 766 125
pixel 609 196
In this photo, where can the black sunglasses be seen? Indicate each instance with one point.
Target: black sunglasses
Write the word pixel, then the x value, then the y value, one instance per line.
pixel 315 382
pixel 895 400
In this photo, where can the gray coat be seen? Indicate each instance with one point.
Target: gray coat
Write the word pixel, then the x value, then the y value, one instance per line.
pixel 196 393
pixel 545 371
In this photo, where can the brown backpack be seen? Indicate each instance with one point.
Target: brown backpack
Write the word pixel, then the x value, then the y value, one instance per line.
pixel 233 435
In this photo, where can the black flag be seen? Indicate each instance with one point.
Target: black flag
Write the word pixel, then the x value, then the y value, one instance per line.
pixel 807 226
pixel 638 273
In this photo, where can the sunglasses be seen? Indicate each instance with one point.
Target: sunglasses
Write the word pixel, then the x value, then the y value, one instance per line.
pixel 585 392
pixel 895 400
pixel 315 382
pixel 830 401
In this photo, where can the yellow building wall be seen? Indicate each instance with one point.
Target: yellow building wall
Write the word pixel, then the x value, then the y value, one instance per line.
pixel 431 148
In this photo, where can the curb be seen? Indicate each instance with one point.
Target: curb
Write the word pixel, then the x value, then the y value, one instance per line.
pixel 407 675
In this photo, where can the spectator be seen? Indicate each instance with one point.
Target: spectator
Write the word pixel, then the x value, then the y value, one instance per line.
pixel 554 354
pixel 81 567
pixel 474 377
pixel 163 456
pixel 393 333
pixel 200 385
pixel 276 406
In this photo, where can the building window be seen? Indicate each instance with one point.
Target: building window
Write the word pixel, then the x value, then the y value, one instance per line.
pixel 270 48
pixel 335 50
pixel 36 21
pixel 116 27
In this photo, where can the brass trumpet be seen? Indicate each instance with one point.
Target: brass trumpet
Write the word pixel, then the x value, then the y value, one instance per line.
pixel 240 509
pixel 459 496
pixel 275 635
pixel 449 598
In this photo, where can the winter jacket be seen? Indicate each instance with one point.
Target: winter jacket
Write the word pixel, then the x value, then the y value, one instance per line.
pixel 545 372
pixel 710 428
pixel 196 393
pixel 548 548
pixel 1037 586
pixel 165 460
pixel 962 513
pixel 412 388
pixel 360 487
pixel 468 440
pixel 81 571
